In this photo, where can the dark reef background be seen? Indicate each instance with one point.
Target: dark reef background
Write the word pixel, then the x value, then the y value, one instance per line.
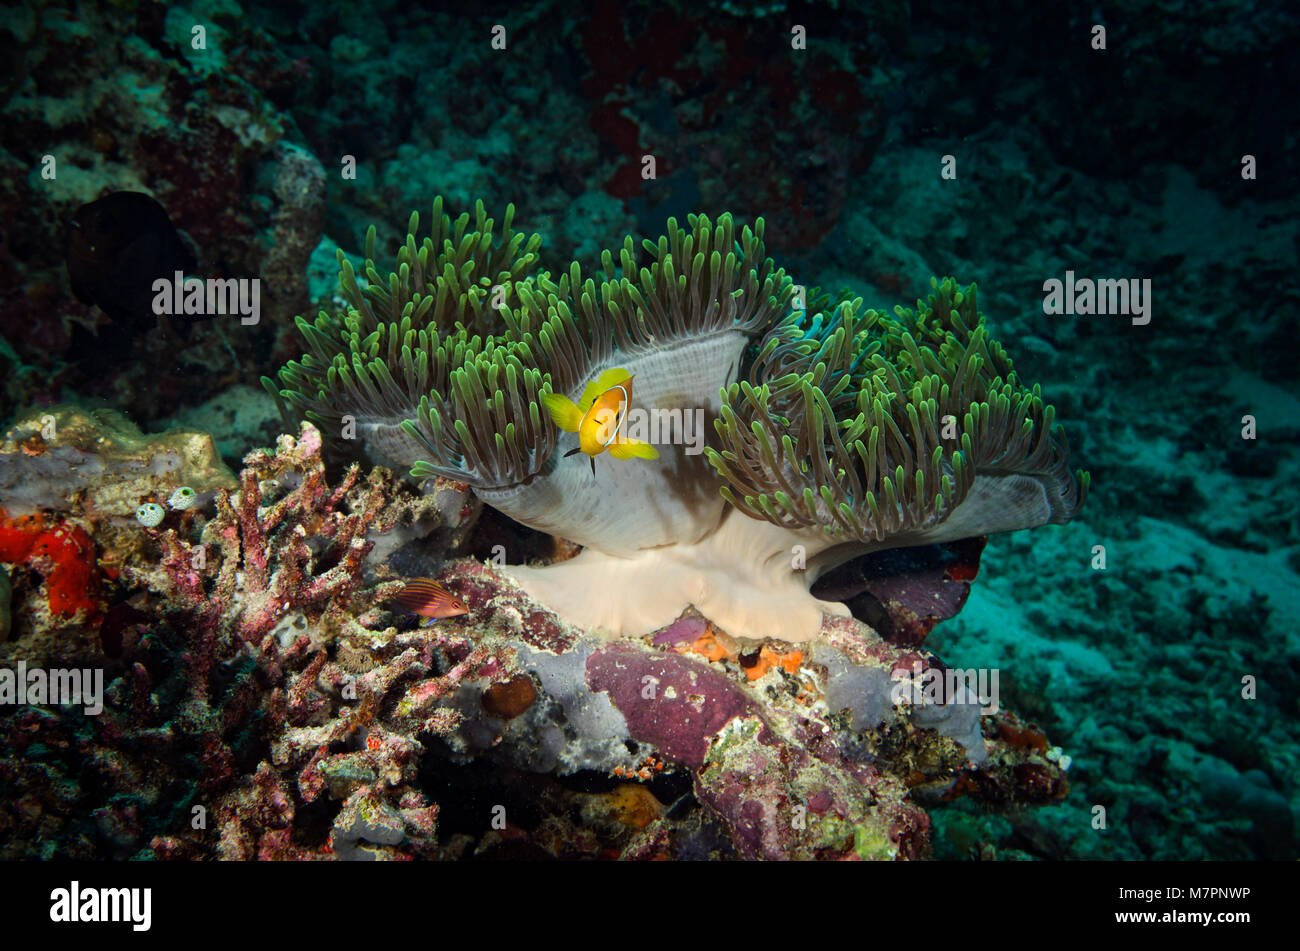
pixel 1122 162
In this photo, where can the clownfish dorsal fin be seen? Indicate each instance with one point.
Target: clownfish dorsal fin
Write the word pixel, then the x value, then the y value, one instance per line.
pixel 609 378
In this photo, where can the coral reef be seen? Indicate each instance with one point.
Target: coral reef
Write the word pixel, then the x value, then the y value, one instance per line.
pixel 143 110
pixel 296 227
pixel 71 482
pixel 845 432
pixel 221 700
pixel 274 567
pixel 99 465
pixel 259 706
pixel 811 756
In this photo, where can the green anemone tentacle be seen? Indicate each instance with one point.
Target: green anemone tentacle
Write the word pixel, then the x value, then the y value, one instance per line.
pixel 936 399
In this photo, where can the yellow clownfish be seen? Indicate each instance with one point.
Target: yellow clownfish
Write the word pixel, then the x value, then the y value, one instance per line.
pixel 600 417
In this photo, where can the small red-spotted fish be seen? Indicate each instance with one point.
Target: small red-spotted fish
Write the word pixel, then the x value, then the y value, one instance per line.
pixel 427 598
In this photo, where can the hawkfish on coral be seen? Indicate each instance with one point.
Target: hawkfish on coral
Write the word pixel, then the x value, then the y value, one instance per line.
pixel 839 430
pixel 428 599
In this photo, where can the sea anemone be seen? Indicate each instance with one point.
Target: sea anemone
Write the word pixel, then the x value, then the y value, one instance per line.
pixel 835 430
